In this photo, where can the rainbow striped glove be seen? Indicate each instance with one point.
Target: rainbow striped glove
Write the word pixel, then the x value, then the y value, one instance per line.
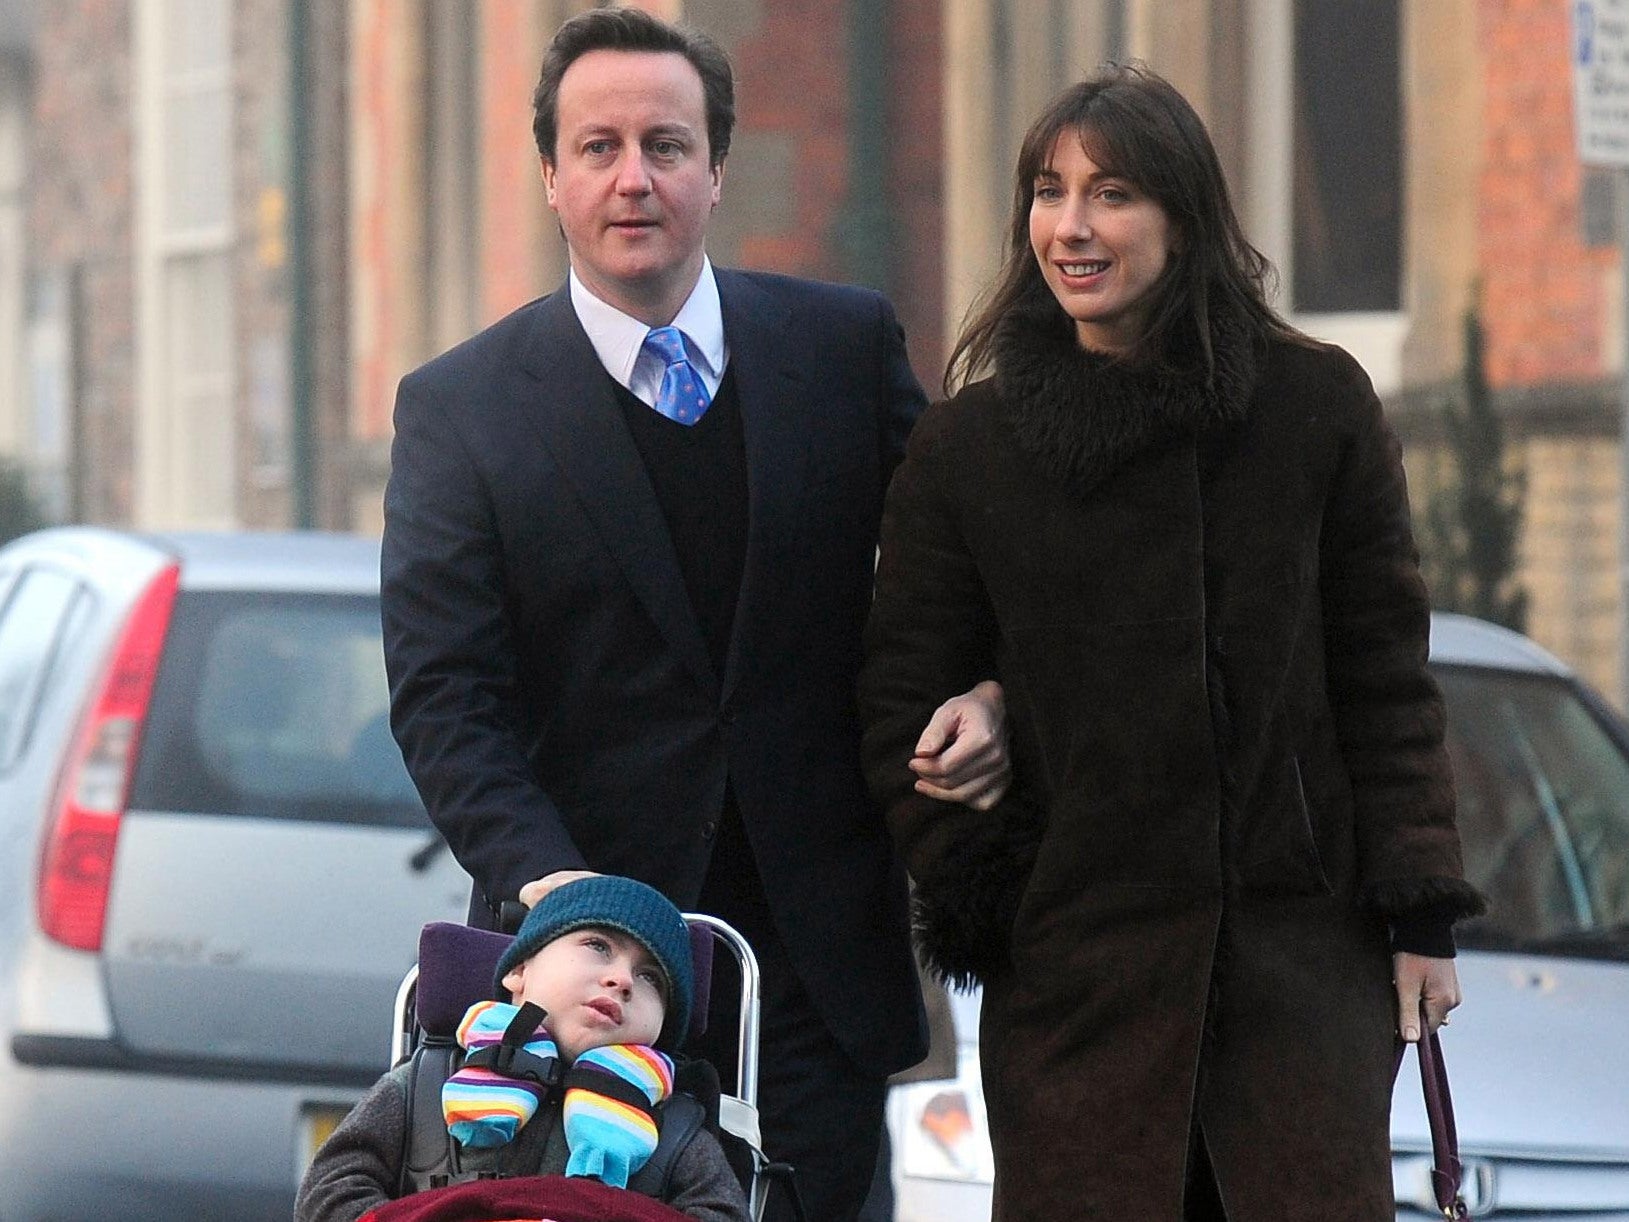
pixel 611 1098
pixel 511 1064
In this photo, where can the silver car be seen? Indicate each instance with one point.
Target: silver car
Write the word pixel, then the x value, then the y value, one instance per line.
pixel 213 867
pixel 1538 1057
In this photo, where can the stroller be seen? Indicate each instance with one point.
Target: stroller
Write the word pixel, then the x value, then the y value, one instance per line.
pixel 455 969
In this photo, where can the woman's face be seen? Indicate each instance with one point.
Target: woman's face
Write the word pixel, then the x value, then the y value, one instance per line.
pixel 1101 243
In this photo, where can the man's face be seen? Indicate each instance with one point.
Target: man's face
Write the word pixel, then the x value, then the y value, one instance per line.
pixel 630 178
pixel 597 987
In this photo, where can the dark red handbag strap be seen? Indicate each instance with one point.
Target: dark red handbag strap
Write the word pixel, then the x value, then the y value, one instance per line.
pixel 1439 1112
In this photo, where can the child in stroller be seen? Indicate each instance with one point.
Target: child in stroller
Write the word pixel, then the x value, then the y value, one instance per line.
pixel 572 1078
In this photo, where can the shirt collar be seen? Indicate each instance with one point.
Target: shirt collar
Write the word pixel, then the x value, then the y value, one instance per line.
pixel 617 337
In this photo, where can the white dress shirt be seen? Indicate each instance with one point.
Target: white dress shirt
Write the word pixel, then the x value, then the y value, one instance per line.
pixel 618 339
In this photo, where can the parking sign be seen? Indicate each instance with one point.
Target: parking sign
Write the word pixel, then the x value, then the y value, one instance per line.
pixel 1600 73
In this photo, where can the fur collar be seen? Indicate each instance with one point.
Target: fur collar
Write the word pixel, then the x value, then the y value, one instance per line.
pixel 1081 414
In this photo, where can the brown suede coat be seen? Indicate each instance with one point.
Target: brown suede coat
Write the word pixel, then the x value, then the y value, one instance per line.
pixel 1206 610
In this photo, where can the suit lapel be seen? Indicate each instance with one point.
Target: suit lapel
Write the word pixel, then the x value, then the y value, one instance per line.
pixel 775 406
pixel 577 414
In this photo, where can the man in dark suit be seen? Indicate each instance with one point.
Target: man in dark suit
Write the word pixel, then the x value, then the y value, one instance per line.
pixel 628 551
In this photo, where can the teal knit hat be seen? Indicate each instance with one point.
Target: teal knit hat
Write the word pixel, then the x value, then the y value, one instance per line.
pixel 607 901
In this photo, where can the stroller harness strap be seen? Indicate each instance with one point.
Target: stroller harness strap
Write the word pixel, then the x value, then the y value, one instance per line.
pixel 510 1054
pixel 514 1062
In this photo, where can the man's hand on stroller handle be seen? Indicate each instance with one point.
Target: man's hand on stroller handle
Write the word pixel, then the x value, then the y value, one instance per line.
pixel 539 887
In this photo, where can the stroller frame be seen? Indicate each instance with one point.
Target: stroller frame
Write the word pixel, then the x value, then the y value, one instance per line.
pixel 738 1112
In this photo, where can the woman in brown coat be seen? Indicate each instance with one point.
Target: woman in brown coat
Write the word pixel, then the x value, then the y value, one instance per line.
pixel 1226 872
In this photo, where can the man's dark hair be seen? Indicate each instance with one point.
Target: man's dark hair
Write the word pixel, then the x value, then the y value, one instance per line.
pixel 632 29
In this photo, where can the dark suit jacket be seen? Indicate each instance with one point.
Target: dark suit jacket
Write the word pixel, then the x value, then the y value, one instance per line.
pixel 550 687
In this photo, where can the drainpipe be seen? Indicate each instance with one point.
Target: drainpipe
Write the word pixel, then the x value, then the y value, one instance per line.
pixel 301 333
pixel 865 226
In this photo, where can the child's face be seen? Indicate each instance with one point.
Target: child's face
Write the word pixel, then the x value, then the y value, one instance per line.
pixel 598 986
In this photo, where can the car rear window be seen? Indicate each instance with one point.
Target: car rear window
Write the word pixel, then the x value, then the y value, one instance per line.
pixel 1543 794
pixel 39 621
pixel 274 706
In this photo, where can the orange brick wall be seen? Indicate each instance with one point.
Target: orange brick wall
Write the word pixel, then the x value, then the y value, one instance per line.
pixel 514 215
pixel 792 79
pixel 377 342
pixel 1542 289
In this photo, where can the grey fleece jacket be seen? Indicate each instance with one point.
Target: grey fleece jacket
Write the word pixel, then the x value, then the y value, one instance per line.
pixel 358 1166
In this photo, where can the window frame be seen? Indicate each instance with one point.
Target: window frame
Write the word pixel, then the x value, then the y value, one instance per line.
pixel 1374 337
pixel 187 428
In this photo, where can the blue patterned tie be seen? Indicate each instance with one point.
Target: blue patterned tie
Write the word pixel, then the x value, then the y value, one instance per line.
pixel 683 397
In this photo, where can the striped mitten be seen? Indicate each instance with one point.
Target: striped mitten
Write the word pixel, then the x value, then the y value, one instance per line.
pixel 511 1064
pixel 611 1098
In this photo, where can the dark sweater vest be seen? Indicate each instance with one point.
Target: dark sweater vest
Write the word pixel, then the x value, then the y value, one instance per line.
pixel 699 474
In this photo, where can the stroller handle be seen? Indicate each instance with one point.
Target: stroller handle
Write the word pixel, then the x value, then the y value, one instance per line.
pixel 746 1054
pixel 401 1038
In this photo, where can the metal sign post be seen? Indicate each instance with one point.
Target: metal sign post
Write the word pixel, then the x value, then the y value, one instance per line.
pixel 1600 72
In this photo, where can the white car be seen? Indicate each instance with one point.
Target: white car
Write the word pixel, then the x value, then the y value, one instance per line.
pixel 1538 1057
pixel 213 867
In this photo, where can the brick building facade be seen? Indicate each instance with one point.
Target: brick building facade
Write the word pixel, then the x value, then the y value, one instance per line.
pixel 1543 273
pixel 160 243
pixel 237 366
pixel 80 227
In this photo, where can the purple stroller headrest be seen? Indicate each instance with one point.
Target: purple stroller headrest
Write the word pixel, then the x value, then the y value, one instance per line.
pixel 456 963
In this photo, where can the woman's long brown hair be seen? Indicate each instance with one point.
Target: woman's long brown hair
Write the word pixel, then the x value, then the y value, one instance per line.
pixel 1134 124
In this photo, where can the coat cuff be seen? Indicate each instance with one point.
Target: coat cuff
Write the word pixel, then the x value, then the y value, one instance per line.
pixel 1446 899
pixel 1432 936
pixel 966 900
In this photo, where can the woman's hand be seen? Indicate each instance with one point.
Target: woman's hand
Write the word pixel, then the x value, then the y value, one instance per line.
pixel 1420 978
pixel 962 754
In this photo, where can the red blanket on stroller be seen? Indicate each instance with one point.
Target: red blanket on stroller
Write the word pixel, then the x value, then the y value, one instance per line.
pixel 532 1198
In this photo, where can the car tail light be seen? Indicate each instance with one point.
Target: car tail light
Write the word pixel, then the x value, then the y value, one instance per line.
pixel 76 867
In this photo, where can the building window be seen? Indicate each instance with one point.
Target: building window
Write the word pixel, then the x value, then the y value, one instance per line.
pixel 1347 184
pixel 188 467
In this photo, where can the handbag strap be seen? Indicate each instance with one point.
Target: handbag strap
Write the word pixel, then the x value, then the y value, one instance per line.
pixel 1439 1113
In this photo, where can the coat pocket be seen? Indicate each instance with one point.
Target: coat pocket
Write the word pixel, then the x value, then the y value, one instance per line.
pixel 1277 854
